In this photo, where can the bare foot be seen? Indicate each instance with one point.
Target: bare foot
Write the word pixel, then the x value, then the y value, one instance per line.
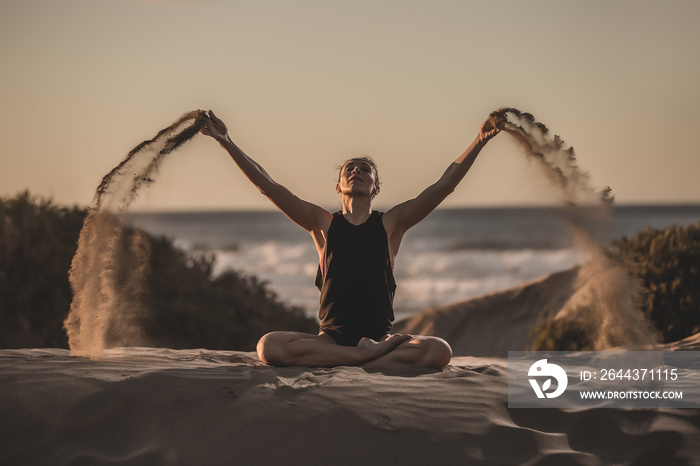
pixel 380 348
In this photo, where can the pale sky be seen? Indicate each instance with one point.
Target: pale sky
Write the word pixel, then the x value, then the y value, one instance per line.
pixel 304 85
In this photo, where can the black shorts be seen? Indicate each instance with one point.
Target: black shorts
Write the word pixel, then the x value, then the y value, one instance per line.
pixel 346 339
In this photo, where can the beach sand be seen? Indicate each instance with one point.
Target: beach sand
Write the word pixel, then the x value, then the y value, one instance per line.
pixel 147 406
pixel 155 406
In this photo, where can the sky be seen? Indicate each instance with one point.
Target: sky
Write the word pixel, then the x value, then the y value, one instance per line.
pixel 304 85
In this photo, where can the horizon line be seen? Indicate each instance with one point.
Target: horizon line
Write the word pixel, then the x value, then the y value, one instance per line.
pixel 192 210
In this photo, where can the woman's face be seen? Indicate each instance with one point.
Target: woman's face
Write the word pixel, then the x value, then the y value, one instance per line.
pixel 357 176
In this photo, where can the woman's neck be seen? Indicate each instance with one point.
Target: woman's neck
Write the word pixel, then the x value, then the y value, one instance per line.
pixel 356 210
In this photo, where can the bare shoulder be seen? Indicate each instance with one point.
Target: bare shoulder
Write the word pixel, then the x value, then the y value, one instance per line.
pixel 323 219
pixel 307 215
pixel 393 219
pixel 389 219
pixel 319 230
pixel 395 228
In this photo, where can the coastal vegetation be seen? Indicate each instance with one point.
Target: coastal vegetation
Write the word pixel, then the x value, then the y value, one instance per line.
pixel 189 307
pixel 667 261
pixel 667 264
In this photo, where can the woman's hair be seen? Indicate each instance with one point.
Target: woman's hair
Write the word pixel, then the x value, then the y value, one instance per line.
pixel 363 159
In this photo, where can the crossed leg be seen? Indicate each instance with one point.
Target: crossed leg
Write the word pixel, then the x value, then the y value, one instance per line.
pixel 419 352
pixel 393 351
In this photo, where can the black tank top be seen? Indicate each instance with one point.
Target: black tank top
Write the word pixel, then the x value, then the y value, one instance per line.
pixel 356 282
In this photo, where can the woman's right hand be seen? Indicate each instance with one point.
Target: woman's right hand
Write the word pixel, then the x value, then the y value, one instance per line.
pixel 215 128
pixel 492 126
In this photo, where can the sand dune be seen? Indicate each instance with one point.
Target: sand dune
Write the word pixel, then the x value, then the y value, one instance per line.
pixel 190 407
pixel 493 324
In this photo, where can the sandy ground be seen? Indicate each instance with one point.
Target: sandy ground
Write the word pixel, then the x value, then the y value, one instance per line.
pixel 194 407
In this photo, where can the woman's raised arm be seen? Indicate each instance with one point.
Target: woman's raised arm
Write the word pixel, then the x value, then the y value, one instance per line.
pixel 311 217
pixel 405 215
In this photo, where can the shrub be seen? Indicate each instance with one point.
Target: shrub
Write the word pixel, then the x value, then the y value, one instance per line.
pixel 37 242
pixel 668 264
pixel 550 334
pixel 188 306
pixel 191 308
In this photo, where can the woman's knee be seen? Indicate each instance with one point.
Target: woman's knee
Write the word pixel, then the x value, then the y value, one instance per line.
pixel 274 348
pixel 270 348
pixel 438 353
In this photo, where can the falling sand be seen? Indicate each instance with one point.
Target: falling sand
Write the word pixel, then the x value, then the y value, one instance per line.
pixel 607 300
pixel 110 268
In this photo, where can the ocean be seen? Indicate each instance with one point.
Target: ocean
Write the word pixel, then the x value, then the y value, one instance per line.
pixel 453 255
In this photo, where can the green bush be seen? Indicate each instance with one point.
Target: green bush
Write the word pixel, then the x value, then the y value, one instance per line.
pixel 550 334
pixel 667 263
pixel 37 243
pixel 191 308
pixel 188 306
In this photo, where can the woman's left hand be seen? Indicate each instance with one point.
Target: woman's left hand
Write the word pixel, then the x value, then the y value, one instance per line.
pixel 492 126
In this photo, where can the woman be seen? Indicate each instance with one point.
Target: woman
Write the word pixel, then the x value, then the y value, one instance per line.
pixel 357 248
